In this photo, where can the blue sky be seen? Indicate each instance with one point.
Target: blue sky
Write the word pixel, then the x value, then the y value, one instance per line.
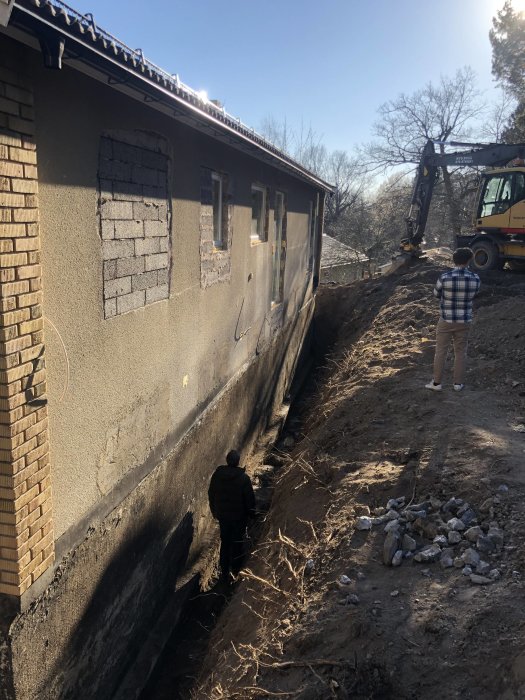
pixel 326 64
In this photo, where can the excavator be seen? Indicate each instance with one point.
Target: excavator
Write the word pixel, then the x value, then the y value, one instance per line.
pixel 498 237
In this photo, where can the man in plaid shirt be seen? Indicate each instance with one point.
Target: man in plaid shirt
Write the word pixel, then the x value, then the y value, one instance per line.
pixel 455 289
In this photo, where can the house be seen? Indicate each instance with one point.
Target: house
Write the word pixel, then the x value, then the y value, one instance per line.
pixel 158 263
pixel 341 264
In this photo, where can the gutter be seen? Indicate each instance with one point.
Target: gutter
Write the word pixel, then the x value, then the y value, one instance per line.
pixel 59 44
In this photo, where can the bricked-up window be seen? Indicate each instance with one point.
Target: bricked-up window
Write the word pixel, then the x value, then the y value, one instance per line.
pixel 134 220
pixel 215 227
pixel 259 229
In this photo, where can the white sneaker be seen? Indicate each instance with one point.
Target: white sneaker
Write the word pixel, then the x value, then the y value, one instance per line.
pixel 458 387
pixel 433 387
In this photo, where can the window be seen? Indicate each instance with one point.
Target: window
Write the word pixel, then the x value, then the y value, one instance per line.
pixel 496 197
pixel 259 228
pixel 279 248
pixel 217 203
pixel 216 216
pixel 312 232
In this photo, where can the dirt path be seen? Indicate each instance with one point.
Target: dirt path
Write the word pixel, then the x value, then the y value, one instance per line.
pixel 368 432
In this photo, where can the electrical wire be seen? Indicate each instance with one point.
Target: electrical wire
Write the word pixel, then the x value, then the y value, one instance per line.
pixel 66 386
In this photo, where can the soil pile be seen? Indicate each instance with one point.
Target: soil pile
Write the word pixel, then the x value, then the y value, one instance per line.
pixel 318 613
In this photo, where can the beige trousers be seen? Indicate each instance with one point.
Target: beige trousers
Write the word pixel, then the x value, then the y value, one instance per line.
pixel 458 334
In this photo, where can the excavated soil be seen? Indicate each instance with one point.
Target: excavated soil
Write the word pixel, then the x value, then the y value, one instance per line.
pixel 366 431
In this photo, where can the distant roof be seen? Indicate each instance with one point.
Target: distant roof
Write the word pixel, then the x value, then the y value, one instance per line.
pixel 98 53
pixel 336 253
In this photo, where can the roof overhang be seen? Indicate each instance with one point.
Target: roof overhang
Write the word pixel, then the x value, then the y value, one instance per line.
pixel 64 36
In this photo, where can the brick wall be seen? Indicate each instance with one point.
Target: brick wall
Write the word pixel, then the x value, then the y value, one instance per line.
pixel 26 528
pixel 215 262
pixel 134 216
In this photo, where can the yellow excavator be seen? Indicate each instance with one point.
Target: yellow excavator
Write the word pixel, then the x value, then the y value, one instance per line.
pixel 498 237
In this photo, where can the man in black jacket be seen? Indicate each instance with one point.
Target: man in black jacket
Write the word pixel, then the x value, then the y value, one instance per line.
pixel 232 502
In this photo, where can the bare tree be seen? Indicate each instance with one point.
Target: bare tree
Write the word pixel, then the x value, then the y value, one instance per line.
pixel 346 175
pixel 277 133
pixel 497 119
pixel 441 113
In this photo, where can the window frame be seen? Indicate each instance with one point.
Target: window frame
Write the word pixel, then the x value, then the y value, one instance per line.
pixel 313 215
pixel 279 297
pixel 260 237
pixel 218 243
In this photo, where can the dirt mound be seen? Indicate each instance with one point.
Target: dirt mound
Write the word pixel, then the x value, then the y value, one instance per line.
pixel 317 613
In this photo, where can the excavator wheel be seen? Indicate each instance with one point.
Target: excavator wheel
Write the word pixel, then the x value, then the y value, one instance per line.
pixel 485 256
pixel 517 265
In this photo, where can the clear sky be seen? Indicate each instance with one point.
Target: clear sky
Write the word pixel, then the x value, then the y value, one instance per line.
pixel 329 64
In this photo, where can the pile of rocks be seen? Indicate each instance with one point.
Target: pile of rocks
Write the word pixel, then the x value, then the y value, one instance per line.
pixel 433 531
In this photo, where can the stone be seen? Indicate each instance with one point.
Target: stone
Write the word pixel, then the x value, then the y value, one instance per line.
pixel 390 547
pixel 446 561
pixel 344 580
pixel 408 543
pixel 483 568
pixel 395 503
pixel 473 533
pixel 353 599
pixel 363 522
pixel 441 540
pixel 360 576
pixel 480 580
pixel 462 509
pixel 412 515
pixel 456 524
pixel 486 505
pixel 310 565
pixel 458 563
pixel 391 515
pixel 470 557
pixel 468 517
pixel 466 571
pixel 428 554
pixel 452 505
pixel 391 526
pixel 379 511
pixel 394 594
pixel 485 545
pixel 397 558
pixel 454 537
pixel 503 488
pixel 494 574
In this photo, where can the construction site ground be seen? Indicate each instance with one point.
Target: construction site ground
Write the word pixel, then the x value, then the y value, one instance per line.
pixel 316 613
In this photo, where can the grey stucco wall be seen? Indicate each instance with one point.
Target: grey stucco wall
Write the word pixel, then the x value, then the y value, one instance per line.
pixel 82 635
pixel 137 381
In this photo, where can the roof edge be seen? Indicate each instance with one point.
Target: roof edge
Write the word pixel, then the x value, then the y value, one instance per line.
pixel 96 46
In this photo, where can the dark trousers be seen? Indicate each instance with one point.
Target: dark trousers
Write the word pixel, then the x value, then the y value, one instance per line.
pixel 232 546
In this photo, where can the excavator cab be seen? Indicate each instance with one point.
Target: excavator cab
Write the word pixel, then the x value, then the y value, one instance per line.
pixel 499 193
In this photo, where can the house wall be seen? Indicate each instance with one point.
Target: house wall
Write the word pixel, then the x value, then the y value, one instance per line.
pixel 143 403
pixel 138 380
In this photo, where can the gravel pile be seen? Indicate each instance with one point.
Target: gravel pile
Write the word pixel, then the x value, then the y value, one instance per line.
pixel 450 533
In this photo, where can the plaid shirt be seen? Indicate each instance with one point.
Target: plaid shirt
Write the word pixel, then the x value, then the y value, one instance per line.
pixel 456 289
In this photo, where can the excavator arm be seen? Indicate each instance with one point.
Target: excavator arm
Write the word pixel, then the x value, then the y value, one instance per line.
pixel 427 173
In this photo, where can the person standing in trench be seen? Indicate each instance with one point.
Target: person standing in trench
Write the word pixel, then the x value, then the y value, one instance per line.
pixel 232 503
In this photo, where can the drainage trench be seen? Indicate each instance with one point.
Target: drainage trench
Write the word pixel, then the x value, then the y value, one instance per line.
pixel 176 671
